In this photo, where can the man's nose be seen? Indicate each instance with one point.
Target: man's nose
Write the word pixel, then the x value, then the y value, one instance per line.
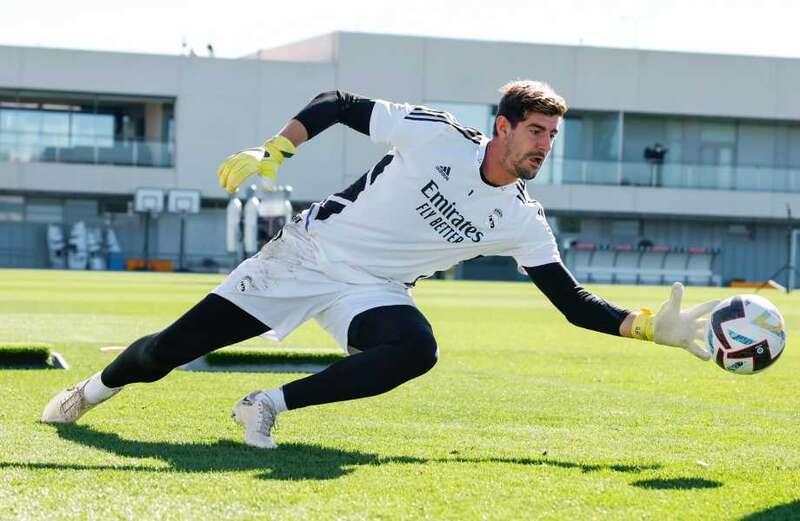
pixel 545 144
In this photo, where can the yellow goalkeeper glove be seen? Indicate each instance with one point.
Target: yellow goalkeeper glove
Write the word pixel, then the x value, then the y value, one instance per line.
pixel 673 327
pixel 263 160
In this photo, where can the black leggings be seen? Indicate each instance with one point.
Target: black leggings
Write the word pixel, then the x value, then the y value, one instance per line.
pixel 397 345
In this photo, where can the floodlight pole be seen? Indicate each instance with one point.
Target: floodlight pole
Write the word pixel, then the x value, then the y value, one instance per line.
pixel 793 259
pixel 147 216
pixel 150 202
pixel 789 245
pixel 181 242
pixel 791 256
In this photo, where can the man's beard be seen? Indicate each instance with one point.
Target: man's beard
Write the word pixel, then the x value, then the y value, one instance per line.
pixel 526 174
pixel 519 167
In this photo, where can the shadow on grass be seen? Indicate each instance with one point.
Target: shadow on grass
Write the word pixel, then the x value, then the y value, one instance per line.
pixel 676 483
pixel 785 511
pixel 291 461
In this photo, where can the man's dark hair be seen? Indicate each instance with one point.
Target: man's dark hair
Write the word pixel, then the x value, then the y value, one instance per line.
pixel 522 97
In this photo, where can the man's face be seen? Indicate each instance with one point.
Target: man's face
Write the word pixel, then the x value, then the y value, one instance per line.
pixel 526 146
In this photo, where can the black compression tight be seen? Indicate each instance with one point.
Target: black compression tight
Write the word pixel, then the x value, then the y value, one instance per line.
pixel 212 323
pixel 397 345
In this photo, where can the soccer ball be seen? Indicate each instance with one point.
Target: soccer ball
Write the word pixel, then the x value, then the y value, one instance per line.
pixel 745 334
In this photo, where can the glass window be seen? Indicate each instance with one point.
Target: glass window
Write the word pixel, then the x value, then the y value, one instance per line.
pixel 718 132
pixel 605 136
pixel 627 228
pixel 104 130
pixel 673 140
pixel 642 132
pixel 592 136
pixel 27 121
pixel 793 148
pixel 55 123
pixel 44 211
pixel 6 120
pixel 568 224
pixel 92 130
pixel 572 137
pixel 11 208
pixel 86 128
pixel 82 130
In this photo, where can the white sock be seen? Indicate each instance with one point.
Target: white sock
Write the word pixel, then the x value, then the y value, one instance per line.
pixel 96 392
pixel 276 395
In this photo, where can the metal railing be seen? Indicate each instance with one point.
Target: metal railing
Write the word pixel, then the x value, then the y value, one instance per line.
pixel 52 148
pixel 560 170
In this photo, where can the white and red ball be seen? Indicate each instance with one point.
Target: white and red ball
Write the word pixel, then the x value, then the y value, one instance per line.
pixel 745 334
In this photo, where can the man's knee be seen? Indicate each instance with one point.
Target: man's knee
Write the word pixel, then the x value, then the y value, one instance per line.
pixel 155 354
pixel 423 349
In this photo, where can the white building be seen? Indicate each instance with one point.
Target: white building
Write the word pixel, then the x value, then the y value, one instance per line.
pixel 81 131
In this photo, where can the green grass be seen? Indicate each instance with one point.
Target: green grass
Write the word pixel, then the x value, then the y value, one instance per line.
pixel 524 417
pixel 24 353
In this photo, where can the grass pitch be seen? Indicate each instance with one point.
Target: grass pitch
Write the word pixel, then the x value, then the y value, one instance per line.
pixel 524 417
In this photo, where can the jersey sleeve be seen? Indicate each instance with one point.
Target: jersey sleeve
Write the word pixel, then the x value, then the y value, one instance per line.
pixel 405 126
pixel 536 245
pixel 336 106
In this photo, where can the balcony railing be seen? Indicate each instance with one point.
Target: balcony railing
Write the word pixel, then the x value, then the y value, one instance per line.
pixel 559 170
pixel 23 147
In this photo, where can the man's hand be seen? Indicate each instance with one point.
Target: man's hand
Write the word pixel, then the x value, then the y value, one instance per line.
pixel 686 329
pixel 263 160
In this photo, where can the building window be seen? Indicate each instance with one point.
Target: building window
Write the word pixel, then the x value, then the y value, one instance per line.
pixel 568 224
pixel 86 128
pixel 44 210
pixel 625 229
pixel 12 208
pixel 593 136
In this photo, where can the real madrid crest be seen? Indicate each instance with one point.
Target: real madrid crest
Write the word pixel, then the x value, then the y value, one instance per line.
pixel 493 221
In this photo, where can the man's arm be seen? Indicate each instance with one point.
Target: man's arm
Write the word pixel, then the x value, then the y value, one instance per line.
pixel 579 306
pixel 627 324
pixel 670 326
pixel 323 111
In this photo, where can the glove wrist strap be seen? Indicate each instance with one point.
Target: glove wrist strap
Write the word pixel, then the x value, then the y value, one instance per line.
pixel 281 146
pixel 642 327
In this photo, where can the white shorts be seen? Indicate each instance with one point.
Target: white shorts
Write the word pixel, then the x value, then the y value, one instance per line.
pixel 284 285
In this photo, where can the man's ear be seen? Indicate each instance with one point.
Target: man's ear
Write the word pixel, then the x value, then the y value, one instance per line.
pixel 503 125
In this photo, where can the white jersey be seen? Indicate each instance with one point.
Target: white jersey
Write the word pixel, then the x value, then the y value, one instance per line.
pixel 424 207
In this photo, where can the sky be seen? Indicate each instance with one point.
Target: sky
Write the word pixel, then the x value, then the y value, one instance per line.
pixel 239 27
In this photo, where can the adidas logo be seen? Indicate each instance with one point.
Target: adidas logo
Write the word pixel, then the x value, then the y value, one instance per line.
pixel 445 171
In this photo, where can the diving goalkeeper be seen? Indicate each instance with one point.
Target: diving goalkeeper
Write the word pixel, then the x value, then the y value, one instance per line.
pixel 442 194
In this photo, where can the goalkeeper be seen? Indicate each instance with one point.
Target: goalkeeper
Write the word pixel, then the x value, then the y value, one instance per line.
pixel 442 194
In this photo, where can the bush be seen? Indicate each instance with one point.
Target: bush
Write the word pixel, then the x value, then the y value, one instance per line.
pixel 24 354
pixel 266 357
